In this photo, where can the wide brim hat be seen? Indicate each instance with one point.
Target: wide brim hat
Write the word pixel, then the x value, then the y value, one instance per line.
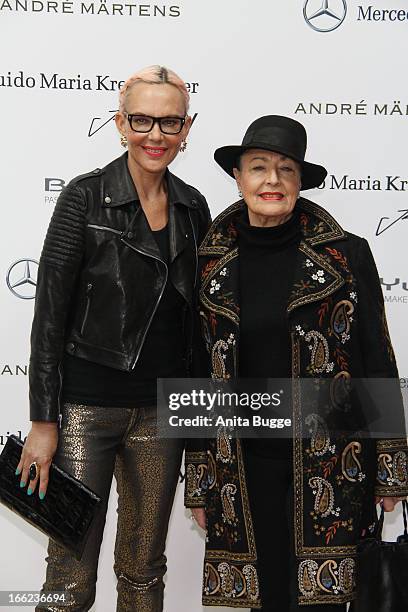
pixel 278 134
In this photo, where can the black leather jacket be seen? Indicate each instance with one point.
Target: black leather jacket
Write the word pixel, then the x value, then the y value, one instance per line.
pixel 101 276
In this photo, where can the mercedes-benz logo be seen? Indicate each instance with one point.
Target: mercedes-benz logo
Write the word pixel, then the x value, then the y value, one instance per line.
pixel 21 278
pixel 322 17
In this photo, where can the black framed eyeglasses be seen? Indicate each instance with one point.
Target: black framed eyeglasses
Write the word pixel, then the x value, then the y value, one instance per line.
pixel 167 125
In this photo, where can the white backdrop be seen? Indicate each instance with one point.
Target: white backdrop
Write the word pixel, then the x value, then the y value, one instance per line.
pixel 242 59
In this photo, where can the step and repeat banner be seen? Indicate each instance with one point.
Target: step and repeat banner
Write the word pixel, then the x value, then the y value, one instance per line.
pixel 337 66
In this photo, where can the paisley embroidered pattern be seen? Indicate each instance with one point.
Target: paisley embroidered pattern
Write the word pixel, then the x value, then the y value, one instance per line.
pixel 392 475
pixel 347 575
pixel 224 453
pixel 324 497
pixel 384 473
pixel 227 499
pixel 195 475
pixel 341 320
pixel 320 439
pixel 252 581
pixel 329 578
pixel 307 577
pixel 350 464
pixel 340 389
pixel 211 471
pixel 212 580
pixel 320 351
pixel 399 466
pixel 233 582
pixel 218 356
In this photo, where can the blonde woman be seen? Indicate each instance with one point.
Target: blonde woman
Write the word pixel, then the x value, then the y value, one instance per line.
pixel 113 313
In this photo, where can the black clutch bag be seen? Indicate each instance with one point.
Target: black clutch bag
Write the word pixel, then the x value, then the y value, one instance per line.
pixel 382 572
pixel 66 512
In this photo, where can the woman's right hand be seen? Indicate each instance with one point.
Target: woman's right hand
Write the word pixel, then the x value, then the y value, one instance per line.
pixel 40 446
pixel 200 517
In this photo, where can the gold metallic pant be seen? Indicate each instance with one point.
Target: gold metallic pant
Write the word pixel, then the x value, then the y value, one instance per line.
pixel 94 444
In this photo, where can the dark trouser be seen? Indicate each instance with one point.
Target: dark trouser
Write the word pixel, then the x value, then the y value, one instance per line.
pixel 269 482
pixel 95 443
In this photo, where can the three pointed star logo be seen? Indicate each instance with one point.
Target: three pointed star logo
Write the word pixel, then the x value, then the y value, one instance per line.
pixel 22 278
pixel 325 19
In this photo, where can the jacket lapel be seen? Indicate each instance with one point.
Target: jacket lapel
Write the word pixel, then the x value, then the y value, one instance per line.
pixel 315 277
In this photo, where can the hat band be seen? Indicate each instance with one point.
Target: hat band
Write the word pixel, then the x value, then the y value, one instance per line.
pixel 277 137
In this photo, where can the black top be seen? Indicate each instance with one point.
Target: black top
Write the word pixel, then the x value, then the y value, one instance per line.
pixel 89 383
pixel 267 257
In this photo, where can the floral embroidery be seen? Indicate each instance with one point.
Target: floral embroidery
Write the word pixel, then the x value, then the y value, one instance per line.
pixel 223 272
pixel 319 276
pixel 309 263
pixel 214 286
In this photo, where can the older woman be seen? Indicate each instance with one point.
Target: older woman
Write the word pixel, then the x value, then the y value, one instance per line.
pixel 113 313
pixel 287 293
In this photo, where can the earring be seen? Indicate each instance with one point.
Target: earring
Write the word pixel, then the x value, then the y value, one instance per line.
pixel 183 146
pixel 123 141
pixel 240 193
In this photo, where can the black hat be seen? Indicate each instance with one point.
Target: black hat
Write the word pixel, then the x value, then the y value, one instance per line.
pixel 281 135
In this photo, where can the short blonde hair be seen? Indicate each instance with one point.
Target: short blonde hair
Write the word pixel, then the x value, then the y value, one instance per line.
pixel 157 75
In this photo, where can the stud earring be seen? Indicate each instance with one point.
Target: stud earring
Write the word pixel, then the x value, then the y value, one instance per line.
pixel 183 146
pixel 123 141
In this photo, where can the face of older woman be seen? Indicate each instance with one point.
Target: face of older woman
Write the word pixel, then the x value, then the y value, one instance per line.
pixel 153 151
pixel 270 185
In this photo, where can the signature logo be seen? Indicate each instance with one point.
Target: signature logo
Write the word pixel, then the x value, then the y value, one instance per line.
pixel 21 278
pixel 383 226
pixel 324 15
pixel 98 123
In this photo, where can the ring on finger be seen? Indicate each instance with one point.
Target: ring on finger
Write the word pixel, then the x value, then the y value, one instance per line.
pixel 34 470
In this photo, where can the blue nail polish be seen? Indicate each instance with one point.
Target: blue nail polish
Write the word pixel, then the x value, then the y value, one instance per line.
pixel 18 471
pixel 29 491
pixel 42 495
pixel 22 484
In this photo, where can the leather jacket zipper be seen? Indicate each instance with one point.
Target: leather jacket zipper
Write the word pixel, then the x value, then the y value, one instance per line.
pixel 191 306
pixel 195 247
pixel 87 306
pixel 107 229
pixel 157 302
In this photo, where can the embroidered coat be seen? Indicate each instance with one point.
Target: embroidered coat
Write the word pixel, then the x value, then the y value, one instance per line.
pixel 338 332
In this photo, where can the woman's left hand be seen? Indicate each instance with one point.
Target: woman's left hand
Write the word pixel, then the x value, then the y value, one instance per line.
pixel 389 503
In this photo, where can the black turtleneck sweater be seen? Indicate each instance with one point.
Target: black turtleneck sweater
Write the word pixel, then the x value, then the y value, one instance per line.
pixel 267 257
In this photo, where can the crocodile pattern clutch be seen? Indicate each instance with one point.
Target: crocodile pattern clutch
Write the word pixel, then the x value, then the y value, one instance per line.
pixel 66 512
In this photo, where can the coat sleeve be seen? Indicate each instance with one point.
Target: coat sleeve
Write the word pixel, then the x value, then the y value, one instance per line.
pixel 379 363
pixel 195 459
pixel 59 265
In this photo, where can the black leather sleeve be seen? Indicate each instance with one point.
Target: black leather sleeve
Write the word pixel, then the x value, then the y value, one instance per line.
pixel 60 263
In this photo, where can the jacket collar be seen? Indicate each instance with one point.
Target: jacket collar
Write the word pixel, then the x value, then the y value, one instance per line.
pixel 318 227
pixel 118 188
